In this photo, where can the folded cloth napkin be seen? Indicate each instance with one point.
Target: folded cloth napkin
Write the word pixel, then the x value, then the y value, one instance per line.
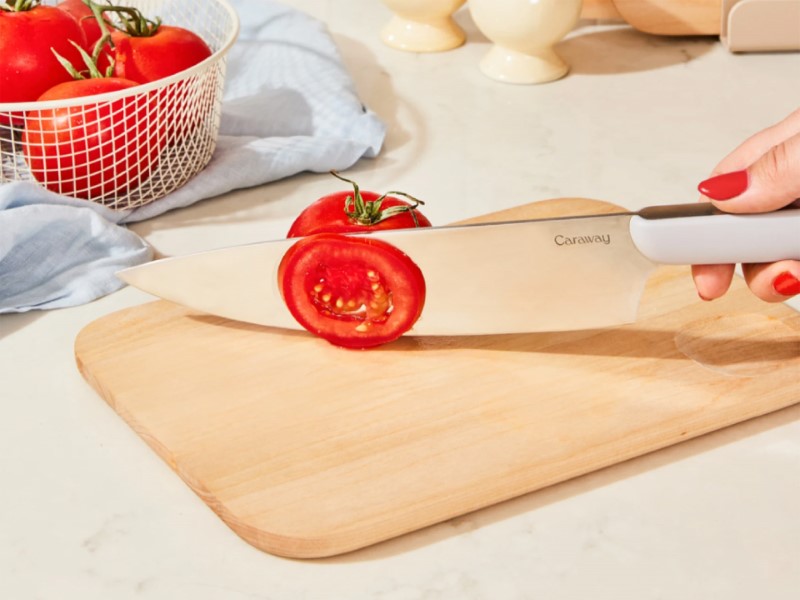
pixel 289 106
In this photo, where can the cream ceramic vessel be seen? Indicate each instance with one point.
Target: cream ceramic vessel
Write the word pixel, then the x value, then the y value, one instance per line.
pixel 423 25
pixel 524 33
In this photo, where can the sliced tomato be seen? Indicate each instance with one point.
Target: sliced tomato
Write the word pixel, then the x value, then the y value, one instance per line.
pixel 355 292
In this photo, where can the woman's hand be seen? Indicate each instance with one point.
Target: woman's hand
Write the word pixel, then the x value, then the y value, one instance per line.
pixel 761 175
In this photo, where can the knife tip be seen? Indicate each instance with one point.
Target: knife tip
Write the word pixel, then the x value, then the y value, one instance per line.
pixel 125 275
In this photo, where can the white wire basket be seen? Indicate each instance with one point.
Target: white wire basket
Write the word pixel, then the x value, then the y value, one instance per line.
pixel 145 141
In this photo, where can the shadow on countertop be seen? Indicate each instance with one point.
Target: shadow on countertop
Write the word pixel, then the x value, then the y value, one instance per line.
pixel 614 48
pixel 627 50
pixel 12 322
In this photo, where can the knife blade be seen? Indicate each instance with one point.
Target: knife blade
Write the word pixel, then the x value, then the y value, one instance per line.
pixel 554 274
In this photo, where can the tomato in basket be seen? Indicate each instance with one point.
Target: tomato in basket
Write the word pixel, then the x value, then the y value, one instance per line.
pixel 95 149
pixel 146 50
pixel 28 31
pixel 158 53
pixel 85 17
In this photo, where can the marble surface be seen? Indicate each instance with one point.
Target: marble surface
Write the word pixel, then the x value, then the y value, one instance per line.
pixel 88 511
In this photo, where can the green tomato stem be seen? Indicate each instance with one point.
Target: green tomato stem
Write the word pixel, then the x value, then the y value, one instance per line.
pixel 370 213
pixel 19 5
pixel 91 65
pixel 105 37
pixel 133 22
pixel 67 65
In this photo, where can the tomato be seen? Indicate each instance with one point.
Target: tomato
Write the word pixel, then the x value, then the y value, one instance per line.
pixel 355 292
pixel 168 50
pixel 95 149
pixel 85 17
pixel 27 64
pixel 344 212
pixel 158 51
pixel 91 29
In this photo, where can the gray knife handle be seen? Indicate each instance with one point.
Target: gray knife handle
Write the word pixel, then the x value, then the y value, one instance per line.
pixel 698 234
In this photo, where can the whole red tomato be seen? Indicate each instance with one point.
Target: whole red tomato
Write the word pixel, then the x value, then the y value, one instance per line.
pixel 164 52
pixel 96 149
pixel 85 17
pixel 28 32
pixel 355 292
pixel 91 29
pixel 345 212
pixel 148 51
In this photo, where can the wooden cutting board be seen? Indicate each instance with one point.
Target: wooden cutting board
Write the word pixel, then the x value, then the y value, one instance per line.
pixel 307 450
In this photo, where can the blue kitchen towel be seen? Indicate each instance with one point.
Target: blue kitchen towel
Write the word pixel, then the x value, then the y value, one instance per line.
pixel 57 251
pixel 289 106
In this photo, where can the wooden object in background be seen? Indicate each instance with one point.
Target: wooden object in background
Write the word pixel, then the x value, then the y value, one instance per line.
pixel 661 17
pixel 307 450
pixel 600 9
pixel 673 17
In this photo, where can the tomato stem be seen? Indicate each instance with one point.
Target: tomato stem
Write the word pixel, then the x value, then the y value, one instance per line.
pixel 105 38
pixel 91 65
pixel 132 21
pixel 370 213
pixel 19 5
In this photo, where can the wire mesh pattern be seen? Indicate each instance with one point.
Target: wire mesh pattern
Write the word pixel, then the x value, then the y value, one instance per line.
pixel 126 148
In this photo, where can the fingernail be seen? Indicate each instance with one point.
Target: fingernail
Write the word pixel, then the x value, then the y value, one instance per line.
pixel 724 187
pixel 703 298
pixel 786 284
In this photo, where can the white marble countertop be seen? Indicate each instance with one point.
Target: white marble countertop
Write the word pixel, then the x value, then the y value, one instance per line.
pixel 88 511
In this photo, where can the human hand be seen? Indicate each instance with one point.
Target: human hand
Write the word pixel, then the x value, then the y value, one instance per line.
pixel 761 175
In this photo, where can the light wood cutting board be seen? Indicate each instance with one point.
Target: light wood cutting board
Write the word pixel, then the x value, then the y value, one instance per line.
pixel 307 450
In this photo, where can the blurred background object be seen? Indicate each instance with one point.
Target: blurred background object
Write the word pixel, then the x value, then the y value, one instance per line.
pixel 524 35
pixel 423 25
pixel 742 25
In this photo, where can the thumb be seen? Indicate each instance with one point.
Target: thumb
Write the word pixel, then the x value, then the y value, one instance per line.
pixel 770 183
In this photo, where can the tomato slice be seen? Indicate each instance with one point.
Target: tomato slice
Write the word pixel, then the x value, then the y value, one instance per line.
pixel 355 292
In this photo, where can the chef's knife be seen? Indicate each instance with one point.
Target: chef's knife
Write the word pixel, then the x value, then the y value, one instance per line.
pixel 522 276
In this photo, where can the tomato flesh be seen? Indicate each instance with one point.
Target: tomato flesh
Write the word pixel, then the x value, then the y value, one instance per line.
pixel 354 292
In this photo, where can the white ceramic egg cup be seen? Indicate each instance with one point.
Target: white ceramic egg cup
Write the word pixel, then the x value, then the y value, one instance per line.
pixel 423 25
pixel 524 33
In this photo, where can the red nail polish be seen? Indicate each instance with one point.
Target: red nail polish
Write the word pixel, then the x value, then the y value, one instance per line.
pixel 724 187
pixel 786 284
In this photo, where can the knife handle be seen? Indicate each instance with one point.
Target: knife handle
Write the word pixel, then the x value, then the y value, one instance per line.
pixel 697 234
